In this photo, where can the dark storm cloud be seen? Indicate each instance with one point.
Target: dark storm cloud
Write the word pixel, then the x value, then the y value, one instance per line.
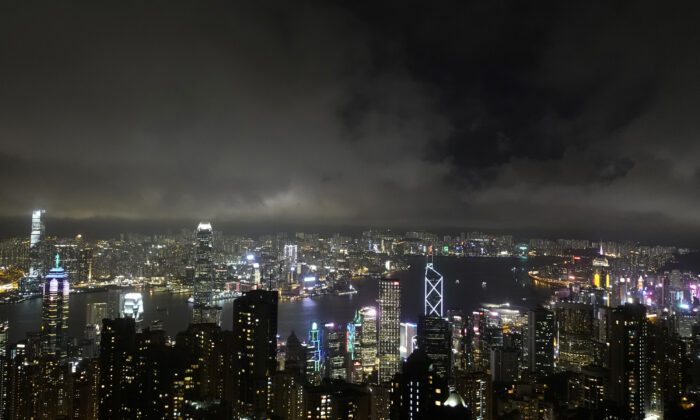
pixel 493 114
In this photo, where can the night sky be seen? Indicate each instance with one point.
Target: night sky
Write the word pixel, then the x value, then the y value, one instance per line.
pixel 495 115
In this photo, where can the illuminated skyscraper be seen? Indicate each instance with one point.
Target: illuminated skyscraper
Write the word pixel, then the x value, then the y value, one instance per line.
pixel 290 260
pixel 204 274
pixel 366 340
pixel 96 312
pixel 601 276
pixel 85 265
pixel 407 338
pixel 54 312
pixel 389 328
pixel 433 291
pixel 131 306
pixel 335 352
pixel 36 268
pixel 314 358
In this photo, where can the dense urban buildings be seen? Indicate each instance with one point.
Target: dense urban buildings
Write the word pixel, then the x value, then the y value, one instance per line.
pixel 394 210
pixel 610 340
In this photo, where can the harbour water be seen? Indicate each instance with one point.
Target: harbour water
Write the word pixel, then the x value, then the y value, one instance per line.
pixel 505 281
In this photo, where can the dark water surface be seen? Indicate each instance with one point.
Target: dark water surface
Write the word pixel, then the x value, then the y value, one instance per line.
pixel 502 285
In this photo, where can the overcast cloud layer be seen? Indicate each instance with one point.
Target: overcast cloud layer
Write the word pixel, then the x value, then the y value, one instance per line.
pixel 497 115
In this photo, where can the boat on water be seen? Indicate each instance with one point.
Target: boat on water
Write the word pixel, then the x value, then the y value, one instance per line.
pixel 457 281
pixel 190 299
pixel 483 285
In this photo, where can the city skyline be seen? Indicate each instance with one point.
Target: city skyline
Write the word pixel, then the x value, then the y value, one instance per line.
pixel 314 210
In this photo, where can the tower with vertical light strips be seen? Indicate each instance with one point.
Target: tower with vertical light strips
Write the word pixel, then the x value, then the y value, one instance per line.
pixel 433 291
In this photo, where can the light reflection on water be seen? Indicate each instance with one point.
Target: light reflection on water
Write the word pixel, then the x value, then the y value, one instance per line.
pixel 298 315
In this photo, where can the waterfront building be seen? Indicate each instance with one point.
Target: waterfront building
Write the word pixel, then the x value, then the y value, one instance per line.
pixel 204 273
pixel 131 306
pixel 389 328
pixel 255 344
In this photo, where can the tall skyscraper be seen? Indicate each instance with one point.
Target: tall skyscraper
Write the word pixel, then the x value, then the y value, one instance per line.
pixel 255 343
pixel 433 291
pixel 574 335
pixel 204 274
pixel 407 338
pixel 477 389
pixel 389 328
pixel 314 358
pixel 366 340
pixel 417 389
pixel 5 373
pixel 295 358
pixel 54 312
pixel 135 379
pixel 96 312
pixel 541 341
pixel 36 268
pixel 116 367
pixel 628 359
pixel 435 339
pixel 85 265
pixel 335 352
